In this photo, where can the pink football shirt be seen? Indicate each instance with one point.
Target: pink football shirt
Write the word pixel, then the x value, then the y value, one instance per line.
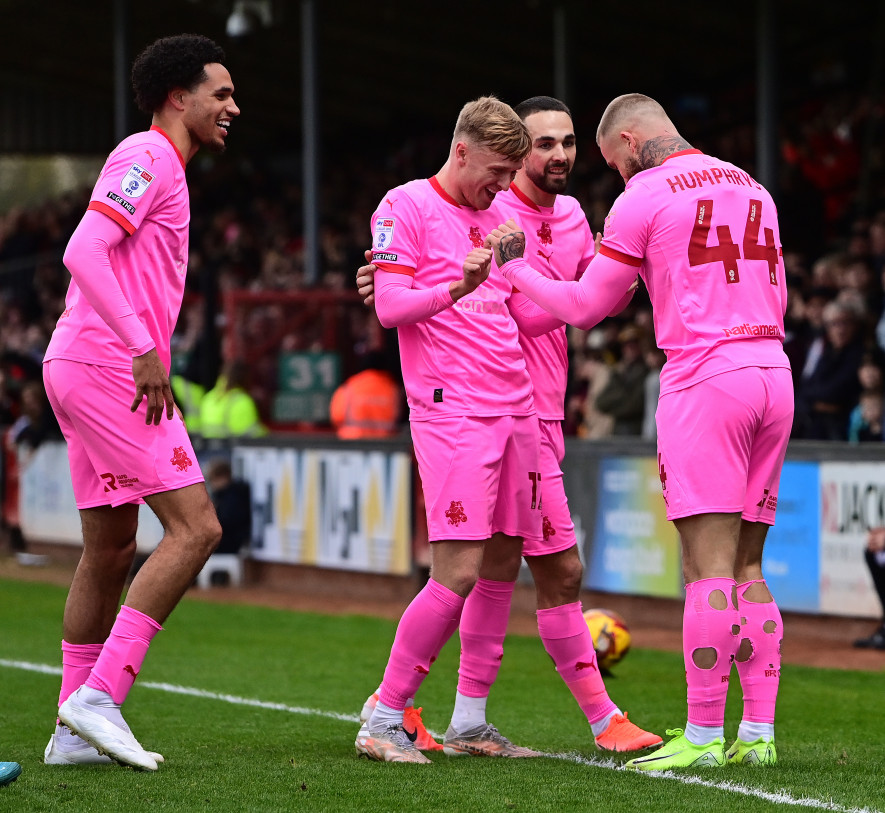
pixel 143 188
pixel 703 235
pixel 559 244
pixel 706 236
pixel 457 359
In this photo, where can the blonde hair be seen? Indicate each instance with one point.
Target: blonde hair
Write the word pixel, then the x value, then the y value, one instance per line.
pixel 491 123
pixel 630 106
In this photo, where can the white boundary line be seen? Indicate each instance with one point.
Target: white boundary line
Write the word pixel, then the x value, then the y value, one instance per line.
pixel 779 797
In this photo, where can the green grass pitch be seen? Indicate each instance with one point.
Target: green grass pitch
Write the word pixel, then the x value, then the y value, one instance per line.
pixel 255 710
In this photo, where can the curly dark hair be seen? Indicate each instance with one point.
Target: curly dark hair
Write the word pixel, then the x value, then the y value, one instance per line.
pixel 169 63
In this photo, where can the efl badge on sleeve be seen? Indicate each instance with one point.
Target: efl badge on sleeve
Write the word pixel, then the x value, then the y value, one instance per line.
pixel 136 181
pixel 383 232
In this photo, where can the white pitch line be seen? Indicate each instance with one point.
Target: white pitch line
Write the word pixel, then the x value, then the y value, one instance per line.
pixel 779 797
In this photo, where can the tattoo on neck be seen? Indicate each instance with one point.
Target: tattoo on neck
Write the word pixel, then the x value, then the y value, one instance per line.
pixel 512 246
pixel 655 150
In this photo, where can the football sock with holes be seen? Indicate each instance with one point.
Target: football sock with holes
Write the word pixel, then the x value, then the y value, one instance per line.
pixel 704 627
pixel 762 625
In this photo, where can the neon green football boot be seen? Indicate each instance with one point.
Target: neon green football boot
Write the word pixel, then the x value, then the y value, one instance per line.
pixel 757 752
pixel 680 753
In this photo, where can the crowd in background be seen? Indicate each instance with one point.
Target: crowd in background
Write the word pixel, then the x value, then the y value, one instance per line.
pixel 246 227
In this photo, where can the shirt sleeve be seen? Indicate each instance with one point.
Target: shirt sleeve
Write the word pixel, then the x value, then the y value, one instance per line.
pixel 127 189
pixel 87 257
pixel 530 318
pixel 583 303
pixel 397 303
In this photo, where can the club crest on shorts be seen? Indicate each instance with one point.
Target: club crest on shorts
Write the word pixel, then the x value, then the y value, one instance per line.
pixel 180 459
pixel 136 181
pixel 455 513
pixel 383 232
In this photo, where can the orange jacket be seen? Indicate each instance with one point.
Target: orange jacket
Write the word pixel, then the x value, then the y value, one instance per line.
pixel 366 406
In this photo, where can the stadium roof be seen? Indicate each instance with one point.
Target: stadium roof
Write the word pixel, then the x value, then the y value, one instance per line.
pixel 388 69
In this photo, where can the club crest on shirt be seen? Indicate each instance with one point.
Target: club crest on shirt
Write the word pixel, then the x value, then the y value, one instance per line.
pixel 608 222
pixel 383 232
pixel 475 237
pixel 545 234
pixel 136 181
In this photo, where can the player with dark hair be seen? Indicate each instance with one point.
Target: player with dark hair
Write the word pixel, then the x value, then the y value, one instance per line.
pixel 473 423
pixel 106 372
pixel 561 246
pixel 718 297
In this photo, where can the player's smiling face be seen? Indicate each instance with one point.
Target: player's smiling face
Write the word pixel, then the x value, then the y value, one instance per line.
pixel 553 150
pixel 482 174
pixel 211 108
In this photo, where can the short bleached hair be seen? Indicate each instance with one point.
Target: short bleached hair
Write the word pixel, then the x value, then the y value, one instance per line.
pixel 491 123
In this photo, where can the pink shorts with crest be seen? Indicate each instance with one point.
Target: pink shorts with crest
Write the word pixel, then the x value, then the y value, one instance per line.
pixel 557 530
pixel 722 443
pixel 115 457
pixel 479 475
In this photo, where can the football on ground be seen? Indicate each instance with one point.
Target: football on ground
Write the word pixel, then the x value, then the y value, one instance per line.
pixel 611 636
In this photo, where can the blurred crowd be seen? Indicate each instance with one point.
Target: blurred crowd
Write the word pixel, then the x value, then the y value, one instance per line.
pixel 246 235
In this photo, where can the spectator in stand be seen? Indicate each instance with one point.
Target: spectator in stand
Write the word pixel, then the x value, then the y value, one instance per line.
pixel 369 403
pixel 623 397
pixel 232 499
pixel 828 387
pixel 806 325
pixel 875 559
pixel 35 424
pixel 596 371
pixel 228 410
pixel 654 360
pixel 866 420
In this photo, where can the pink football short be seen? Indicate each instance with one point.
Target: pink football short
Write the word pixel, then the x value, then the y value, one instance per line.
pixel 722 443
pixel 558 530
pixel 479 475
pixel 115 457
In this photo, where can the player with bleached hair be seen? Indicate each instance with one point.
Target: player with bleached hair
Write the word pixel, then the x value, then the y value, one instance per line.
pixel 562 245
pixel 473 421
pixel 704 237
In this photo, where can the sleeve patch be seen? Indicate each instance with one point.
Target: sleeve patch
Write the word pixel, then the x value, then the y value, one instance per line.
pixel 383 232
pixel 122 201
pixel 136 181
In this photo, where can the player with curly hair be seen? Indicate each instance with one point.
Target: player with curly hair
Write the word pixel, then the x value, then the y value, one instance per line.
pixel 106 372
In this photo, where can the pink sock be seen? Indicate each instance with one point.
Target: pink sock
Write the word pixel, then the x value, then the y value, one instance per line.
pixel 77 661
pixel 705 627
pixel 761 624
pixel 123 653
pixel 426 625
pixel 568 642
pixel 483 629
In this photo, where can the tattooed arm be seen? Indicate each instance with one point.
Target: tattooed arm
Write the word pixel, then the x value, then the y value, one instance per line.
pixel 507 241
